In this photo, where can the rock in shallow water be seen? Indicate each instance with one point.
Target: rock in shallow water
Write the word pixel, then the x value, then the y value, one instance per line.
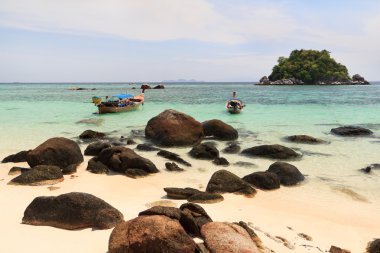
pixel 173 156
pixel 39 175
pixel 271 151
pixel 287 173
pixel 351 131
pixel 75 210
pixel 223 181
pixel 153 234
pixel 95 148
pixel 172 128
pixel 263 180
pixel 306 139
pixel 91 135
pixel 96 167
pixel 204 151
pixel 219 130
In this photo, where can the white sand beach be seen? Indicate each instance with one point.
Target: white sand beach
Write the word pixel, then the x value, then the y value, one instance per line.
pixel 328 216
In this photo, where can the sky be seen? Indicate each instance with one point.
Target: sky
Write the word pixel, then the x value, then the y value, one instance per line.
pixel 155 40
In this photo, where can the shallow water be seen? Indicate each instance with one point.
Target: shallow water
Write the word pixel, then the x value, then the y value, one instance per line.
pixel 32 113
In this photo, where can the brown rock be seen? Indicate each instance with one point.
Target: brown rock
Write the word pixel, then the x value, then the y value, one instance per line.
pixel 56 151
pixel 173 128
pixel 224 237
pixel 39 175
pixel 75 210
pixel 150 234
pixel 219 130
pixel 334 249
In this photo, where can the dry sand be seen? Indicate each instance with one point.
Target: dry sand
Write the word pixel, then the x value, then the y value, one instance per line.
pixel 328 216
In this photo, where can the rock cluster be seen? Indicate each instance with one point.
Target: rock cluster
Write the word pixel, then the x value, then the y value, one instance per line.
pixel 356 80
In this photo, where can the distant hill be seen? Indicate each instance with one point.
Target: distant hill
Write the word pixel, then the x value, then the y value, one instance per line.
pixel 310 67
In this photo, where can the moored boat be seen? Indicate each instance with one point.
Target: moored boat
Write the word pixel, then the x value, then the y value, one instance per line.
pixel 234 105
pixel 118 103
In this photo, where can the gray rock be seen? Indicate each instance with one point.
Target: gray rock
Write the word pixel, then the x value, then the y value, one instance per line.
pixel 146 147
pixel 97 167
pixel 136 173
pixel 205 198
pixel 173 167
pixel 95 148
pixel 180 193
pixel 173 156
pixel 306 139
pixel 232 148
pixel 91 135
pixel 221 161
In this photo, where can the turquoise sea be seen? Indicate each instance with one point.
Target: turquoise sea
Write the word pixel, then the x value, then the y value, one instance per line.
pixel 32 113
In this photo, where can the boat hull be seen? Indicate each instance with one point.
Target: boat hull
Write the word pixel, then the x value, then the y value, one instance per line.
pixel 234 110
pixel 114 109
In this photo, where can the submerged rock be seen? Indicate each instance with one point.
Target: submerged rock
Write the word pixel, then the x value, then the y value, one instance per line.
pixel 351 131
pixel 75 210
pixel 219 130
pixel 160 86
pixel 56 151
pixel 146 147
pixel 173 156
pixel 16 158
pixel 306 139
pixel 204 151
pixel 223 181
pixel 39 175
pixel 221 161
pixel 287 173
pixel 263 180
pixel 232 148
pixel 271 151
pixel 153 234
pixel 120 159
pixel 173 128
pixel 224 237
pixel 173 167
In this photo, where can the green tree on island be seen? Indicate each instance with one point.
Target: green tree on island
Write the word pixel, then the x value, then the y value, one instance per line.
pixel 309 66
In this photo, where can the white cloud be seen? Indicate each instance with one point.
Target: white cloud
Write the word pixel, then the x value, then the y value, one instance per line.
pixel 149 20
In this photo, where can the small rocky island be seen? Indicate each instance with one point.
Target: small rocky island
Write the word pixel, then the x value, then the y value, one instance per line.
pixel 310 67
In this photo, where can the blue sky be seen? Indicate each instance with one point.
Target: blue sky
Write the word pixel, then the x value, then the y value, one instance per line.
pixel 154 40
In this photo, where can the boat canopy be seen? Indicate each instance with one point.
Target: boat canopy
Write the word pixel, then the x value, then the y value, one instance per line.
pixel 123 96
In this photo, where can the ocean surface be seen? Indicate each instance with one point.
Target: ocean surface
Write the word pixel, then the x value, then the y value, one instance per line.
pixel 32 113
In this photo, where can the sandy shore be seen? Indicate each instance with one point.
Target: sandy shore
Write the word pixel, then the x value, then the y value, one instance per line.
pixel 328 216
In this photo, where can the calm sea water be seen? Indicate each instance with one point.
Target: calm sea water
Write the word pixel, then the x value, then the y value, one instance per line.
pixel 32 113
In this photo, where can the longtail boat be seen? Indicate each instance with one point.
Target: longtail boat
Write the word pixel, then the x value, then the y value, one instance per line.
pixel 118 103
pixel 234 105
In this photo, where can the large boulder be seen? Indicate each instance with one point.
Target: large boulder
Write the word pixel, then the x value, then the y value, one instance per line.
pixel 95 148
pixel 287 173
pixel 306 139
pixel 223 181
pixel 16 158
pixel 153 234
pixel 173 128
pixel 39 175
pixel 224 237
pixel 57 151
pixel 351 131
pixel 263 180
pixel 219 130
pixel 120 159
pixel 271 151
pixel 204 151
pixel 75 210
